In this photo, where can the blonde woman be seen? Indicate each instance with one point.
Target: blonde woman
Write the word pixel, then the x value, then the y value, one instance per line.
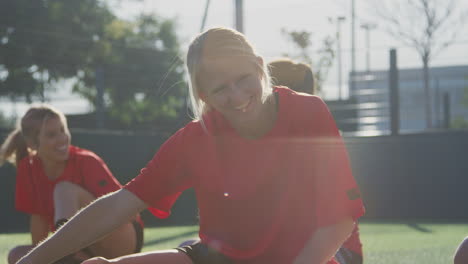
pixel 55 179
pixel 273 184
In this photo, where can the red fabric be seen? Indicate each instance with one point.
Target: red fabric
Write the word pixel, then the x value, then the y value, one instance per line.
pixel 353 243
pixel 259 200
pixel 34 191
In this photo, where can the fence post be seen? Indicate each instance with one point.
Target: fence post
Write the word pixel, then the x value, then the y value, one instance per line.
pixel 239 13
pixel 394 95
pixel 99 97
pixel 446 110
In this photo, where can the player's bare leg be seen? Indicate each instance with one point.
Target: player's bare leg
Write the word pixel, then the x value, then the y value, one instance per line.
pixel 69 198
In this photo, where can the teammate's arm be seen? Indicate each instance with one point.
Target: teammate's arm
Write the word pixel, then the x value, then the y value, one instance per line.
pixel 38 227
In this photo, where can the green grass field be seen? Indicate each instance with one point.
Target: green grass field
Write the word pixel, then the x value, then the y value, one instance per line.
pixel 384 243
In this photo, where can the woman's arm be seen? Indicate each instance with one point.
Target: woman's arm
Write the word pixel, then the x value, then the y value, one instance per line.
pixel 39 228
pixel 159 256
pixel 87 226
pixel 324 243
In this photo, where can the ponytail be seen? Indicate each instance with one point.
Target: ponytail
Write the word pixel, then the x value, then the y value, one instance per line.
pixel 14 148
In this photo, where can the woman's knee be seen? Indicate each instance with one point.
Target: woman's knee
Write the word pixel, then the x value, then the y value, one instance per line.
pixel 73 192
pixel 65 188
pixel 69 198
pixel 18 252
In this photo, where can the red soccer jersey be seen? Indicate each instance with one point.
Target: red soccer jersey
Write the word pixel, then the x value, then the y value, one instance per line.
pixel 34 191
pixel 259 200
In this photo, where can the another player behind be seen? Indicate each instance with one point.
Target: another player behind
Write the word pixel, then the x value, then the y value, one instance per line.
pixel 299 77
pixel 55 179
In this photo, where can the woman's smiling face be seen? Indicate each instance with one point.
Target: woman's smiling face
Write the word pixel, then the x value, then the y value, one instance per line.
pixel 232 86
pixel 53 140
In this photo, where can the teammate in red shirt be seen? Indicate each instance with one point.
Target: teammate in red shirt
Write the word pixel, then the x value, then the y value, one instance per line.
pixel 54 180
pixel 269 168
pixel 300 78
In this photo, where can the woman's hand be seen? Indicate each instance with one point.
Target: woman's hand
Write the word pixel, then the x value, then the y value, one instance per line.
pixel 96 260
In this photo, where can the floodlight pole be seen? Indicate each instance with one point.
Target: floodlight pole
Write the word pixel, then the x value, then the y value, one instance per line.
pixel 368 27
pixel 239 15
pixel 353 49
pixel 338 54
pixel 205 15
pixel 394 94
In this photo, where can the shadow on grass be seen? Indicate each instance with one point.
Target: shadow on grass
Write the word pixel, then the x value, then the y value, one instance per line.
pixel 165 239
pixel 419 228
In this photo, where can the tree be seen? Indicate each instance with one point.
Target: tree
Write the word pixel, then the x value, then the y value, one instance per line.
pixel 326 54
pixel 44 41
pixel 141 70
pixel 428 26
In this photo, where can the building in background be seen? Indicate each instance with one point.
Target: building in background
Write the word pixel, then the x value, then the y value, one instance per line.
pixel 371 93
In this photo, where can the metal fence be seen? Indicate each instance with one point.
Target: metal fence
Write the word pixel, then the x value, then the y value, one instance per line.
pixel 412 176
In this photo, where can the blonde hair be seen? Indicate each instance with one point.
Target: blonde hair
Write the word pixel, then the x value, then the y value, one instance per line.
pixel 219 42
pixel 15 146
pixel 295 75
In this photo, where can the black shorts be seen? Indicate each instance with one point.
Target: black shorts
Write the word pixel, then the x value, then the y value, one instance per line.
pixel 346 256
pixel 201 254
pixel 139 236
pixel 136 225
pixel 71 259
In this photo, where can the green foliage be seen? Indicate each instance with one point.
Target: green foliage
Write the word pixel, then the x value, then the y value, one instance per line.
pixel 302 40
pixel 322 63
pixel 141 72
pixel 45 41
pixel 459 123
pixel 6 122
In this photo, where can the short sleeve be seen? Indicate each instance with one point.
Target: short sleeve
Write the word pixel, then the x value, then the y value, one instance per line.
pixel 336 193
pixel 25 192
pixel 98 179
pixel 163 179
